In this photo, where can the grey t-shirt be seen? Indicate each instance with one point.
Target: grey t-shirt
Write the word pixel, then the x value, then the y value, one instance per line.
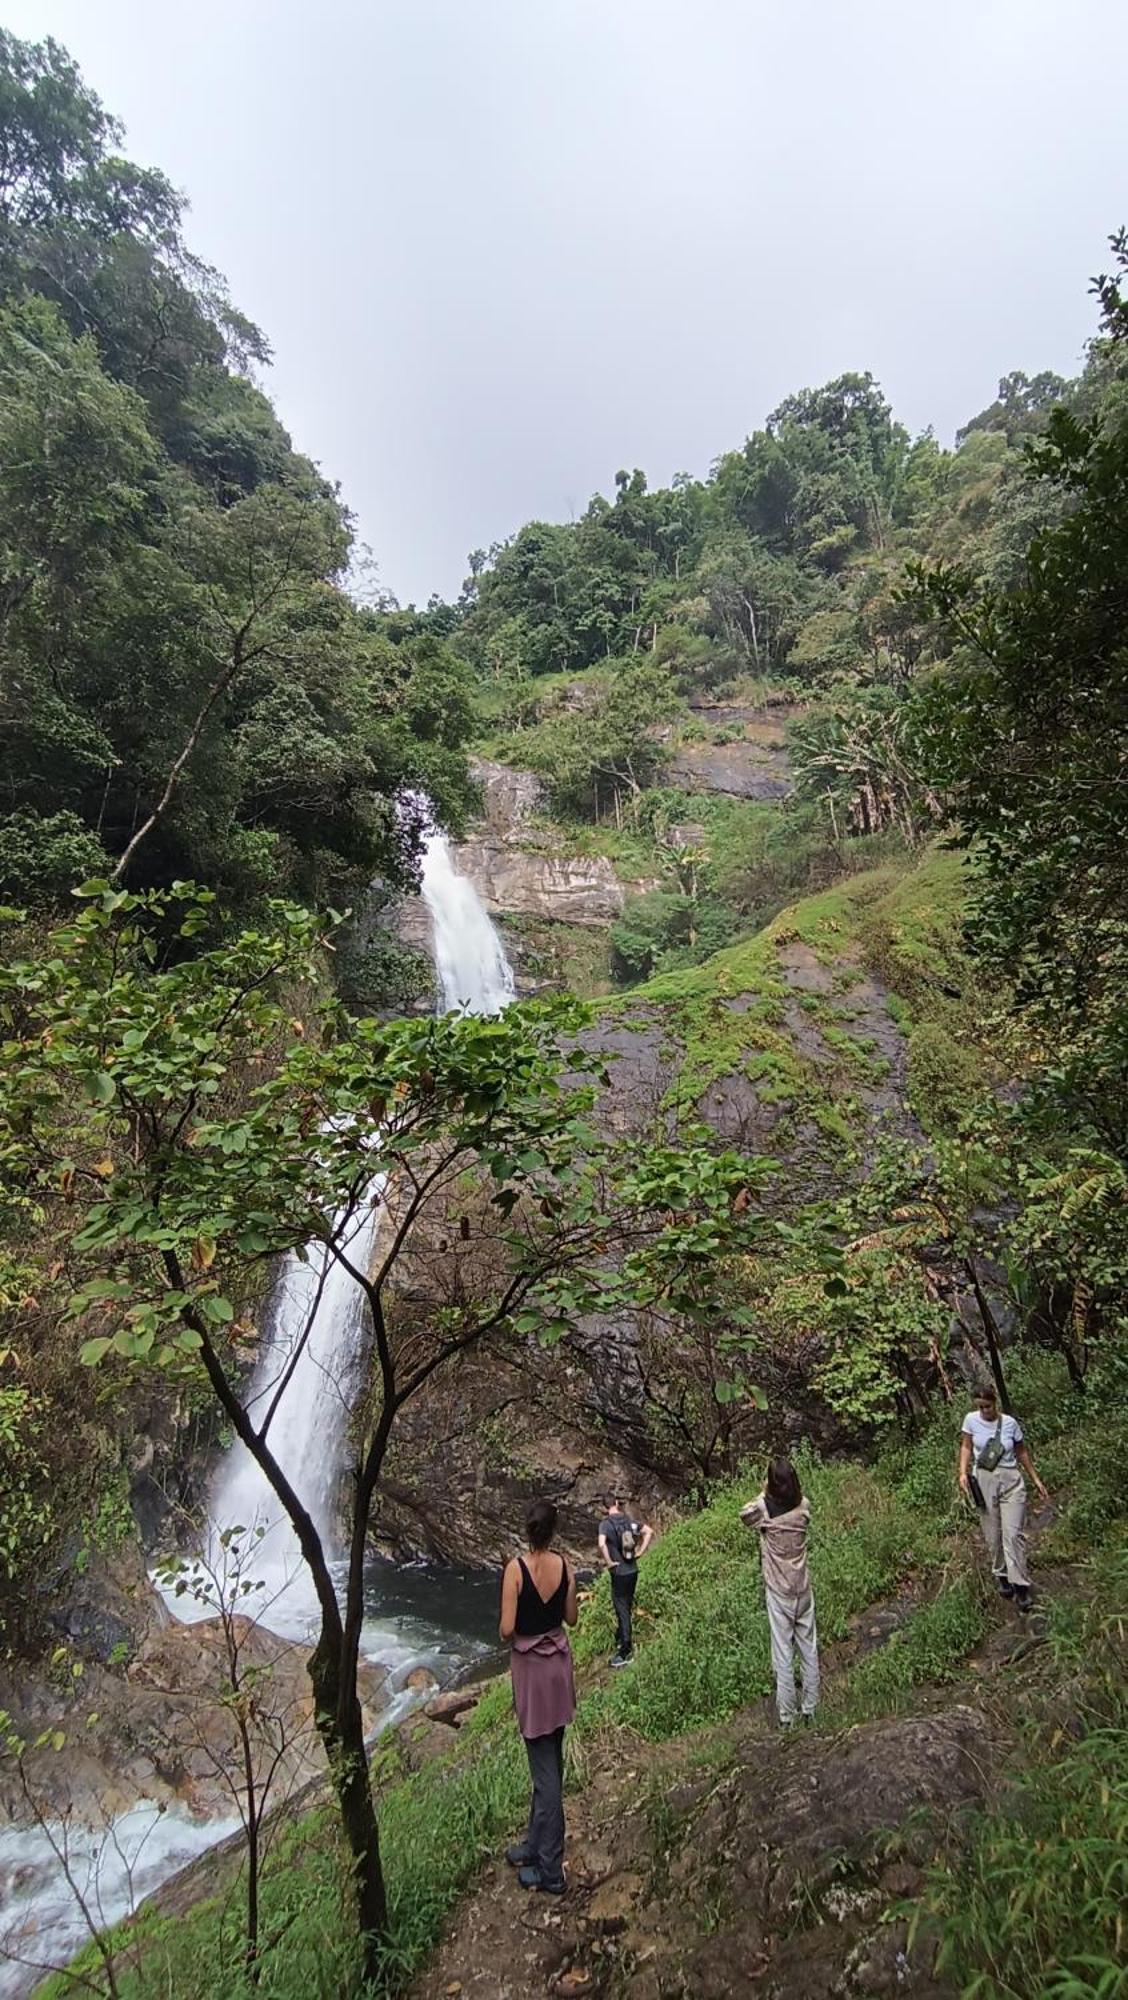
pixel 612 1528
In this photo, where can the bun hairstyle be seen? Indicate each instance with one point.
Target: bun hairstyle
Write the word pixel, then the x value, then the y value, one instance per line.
pixel 540 1524
pixel 782 1487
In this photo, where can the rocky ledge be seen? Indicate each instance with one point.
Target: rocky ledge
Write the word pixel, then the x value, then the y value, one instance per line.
pixel 165 1728
pixel 743 752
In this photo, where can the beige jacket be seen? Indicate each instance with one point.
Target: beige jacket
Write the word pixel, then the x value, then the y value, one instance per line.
pixel 783 1546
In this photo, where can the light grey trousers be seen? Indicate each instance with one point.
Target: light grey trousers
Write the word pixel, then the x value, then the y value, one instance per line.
pixel 1004 1523
pixel 792 1623
pixel 544 1841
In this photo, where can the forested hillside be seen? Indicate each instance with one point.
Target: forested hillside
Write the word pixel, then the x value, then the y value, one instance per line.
pixel 188 688
pixel 799 794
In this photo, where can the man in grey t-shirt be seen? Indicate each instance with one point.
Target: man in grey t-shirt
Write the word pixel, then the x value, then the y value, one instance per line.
pixel 622 1540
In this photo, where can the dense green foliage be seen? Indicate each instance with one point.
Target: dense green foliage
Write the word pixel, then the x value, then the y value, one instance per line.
pixel 932 644
pixel 172 572
pixel 878 1531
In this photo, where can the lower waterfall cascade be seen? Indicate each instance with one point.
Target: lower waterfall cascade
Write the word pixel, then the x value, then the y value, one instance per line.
pixel 117 1866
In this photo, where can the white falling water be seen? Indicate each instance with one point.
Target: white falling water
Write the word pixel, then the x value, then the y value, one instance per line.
pixel 309 1364
pixel 314 1336
pixel 474 973
pixel 312 1350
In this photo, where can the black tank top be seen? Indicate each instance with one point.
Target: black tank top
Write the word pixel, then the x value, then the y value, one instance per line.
pixel 536 1614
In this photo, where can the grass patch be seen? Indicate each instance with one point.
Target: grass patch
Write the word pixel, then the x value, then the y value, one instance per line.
pixel 701 1615
pixel 931 1647
pixel 1035 1900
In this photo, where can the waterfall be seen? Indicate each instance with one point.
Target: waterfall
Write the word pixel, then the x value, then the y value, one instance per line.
pixel 313 1336
pixel 474 973
pixel 316 1384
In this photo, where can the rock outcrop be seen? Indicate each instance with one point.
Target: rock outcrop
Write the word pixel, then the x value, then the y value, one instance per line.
pixel 526 881
pixel 743 753
pixel 553 909
pixel 165 1728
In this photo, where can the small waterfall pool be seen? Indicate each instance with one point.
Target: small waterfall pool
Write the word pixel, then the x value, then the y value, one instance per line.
pixel 417 1615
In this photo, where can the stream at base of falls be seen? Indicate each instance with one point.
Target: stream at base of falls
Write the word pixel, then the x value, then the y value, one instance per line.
pixel 443 1619
pixel 417 1615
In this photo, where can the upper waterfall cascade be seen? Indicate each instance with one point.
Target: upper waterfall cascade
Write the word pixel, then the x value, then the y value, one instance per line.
pixel 313 1333
pixel 474 973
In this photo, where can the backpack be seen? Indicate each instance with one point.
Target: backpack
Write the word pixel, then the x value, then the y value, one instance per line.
pixel 627 1540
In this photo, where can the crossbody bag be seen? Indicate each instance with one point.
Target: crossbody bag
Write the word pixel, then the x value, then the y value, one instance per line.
pixel 992 1451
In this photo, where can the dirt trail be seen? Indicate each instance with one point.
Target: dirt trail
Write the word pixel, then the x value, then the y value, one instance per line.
pixel 739 1861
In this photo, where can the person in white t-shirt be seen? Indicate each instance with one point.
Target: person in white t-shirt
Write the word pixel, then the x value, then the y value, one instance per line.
pixel 993 1457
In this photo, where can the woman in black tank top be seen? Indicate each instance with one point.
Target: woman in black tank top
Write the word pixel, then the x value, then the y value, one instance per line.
pixel 537 1614
pixel 538 1599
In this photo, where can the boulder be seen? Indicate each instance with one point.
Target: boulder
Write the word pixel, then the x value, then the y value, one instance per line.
pixel 509 797
pixel 166 1729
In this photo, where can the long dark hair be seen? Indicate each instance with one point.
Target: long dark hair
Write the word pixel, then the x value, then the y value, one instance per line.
pixel 540 1524
pixel 782 1490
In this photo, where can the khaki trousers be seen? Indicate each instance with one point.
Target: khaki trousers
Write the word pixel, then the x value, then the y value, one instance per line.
pixel 1004 1523
pixel 792 1623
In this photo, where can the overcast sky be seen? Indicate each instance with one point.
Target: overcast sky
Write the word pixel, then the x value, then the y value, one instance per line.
pixel 503 247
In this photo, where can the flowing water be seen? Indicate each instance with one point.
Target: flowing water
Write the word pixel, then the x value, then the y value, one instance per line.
pixel 311 1360
pixel 474 973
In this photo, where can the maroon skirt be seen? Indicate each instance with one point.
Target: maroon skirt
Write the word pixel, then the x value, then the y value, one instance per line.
pixel 544 1691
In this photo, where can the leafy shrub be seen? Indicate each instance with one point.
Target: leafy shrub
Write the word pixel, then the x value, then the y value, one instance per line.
pixel 663 930
pixel 42 857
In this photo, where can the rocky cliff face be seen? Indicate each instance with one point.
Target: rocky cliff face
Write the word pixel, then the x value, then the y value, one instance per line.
pixel 520 881
pixel 742 752
pixel 552 909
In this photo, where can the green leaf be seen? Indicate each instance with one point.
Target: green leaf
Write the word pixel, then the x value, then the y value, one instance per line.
pixel 99 1086
pixel 93 1351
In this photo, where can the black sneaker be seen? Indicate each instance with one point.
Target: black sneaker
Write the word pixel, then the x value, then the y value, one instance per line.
pixel 623 1660
pixel 1004 1586
pixel 518 1857
pixel 531 1878
pixel 1022 1596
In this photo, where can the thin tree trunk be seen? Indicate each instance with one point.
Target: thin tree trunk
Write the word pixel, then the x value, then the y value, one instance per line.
pixel 341 1729
pixel 990 1328
pixel 215 693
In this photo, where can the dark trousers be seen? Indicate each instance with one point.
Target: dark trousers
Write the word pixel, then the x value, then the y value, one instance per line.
pixel 544 1841
pixel 622 1597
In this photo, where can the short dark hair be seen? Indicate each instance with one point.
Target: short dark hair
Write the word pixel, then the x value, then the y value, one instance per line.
pixel 540 1524
pixel 782 1486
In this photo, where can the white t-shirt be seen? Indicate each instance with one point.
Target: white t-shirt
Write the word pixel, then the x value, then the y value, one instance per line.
pixel 981 1432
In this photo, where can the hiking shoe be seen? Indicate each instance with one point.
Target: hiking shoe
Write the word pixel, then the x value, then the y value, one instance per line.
pixel 518 1857
pixel 529 1877
pixel 623 1660
pixel 1004 1586
pixel 556 1888
pixel 787 1722
pixel 1022 1596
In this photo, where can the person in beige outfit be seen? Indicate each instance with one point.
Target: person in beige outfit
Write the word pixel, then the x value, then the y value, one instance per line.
pixel 782 1516
pixel 993 1457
